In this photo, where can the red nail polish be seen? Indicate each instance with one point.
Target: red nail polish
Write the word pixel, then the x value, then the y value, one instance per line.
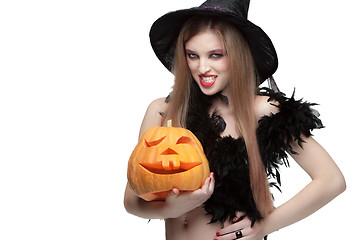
pixel 217 234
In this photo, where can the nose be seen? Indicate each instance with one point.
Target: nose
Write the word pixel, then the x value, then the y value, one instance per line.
pixel 169 151
pixel 204 66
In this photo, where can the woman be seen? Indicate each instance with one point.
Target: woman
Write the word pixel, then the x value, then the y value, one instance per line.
pixel 219 58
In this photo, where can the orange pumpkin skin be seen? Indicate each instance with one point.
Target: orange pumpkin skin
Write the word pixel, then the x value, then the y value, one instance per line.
pixel 166 158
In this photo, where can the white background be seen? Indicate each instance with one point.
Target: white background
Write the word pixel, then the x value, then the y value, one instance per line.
pixel 77 76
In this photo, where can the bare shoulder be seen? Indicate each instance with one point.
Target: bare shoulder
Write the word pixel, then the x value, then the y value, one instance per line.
pixel 264 107
pixel 159 103
pixel 157 107
pixel 153 115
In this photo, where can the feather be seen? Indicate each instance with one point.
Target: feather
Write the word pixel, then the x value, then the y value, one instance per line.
pixel 228 157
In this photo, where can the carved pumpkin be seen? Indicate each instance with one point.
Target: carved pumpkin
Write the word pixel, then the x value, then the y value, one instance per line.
pixel 167 158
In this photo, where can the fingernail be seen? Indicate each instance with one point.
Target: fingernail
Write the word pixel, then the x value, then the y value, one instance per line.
pixel 210 180
pixel 217 234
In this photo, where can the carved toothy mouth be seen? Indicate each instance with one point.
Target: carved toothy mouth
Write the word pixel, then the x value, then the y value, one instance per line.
pixel 168 167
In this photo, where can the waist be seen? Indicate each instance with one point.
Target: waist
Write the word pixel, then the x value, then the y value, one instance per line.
pixel 193 225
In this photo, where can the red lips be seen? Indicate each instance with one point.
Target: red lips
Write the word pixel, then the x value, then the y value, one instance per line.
pixel 207 80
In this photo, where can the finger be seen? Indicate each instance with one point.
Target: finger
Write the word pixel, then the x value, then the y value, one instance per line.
pixel 209 181
pixel 174 193
pixel 242 224
pixel 203 193
pixel 204 190
pixel 212 183
pixel 228 231
pixel 245 233
pixel 238 234
pixel 238 216
pixel 205 187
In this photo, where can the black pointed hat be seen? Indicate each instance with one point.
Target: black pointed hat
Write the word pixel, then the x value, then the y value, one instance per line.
pixel 165 30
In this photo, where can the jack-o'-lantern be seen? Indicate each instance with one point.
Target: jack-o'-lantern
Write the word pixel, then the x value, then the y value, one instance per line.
pixel 167 158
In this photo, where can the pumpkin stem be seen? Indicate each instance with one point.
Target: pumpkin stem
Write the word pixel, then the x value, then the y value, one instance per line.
pixel 169 123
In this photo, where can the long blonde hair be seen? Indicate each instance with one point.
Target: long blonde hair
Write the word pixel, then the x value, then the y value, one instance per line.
pixel 243 85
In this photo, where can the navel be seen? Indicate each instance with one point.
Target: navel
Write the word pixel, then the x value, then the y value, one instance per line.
pixel 185 222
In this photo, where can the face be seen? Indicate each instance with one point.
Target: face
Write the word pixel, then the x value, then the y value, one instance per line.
pixel 208 62
pixel 164 158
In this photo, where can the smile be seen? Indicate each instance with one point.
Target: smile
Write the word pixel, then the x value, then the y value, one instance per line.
pixel 207 80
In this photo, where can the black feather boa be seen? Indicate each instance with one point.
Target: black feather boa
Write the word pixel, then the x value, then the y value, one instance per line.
pixel 228 157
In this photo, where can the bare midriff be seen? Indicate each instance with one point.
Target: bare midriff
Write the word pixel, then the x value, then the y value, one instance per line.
pixel 193 225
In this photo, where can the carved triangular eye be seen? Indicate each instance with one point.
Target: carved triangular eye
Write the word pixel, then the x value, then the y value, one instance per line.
pixel 185 140
pixel 153 143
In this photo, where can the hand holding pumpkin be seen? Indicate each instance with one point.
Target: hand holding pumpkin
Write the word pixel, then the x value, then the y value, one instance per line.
pixel 166 158
pixel 177 204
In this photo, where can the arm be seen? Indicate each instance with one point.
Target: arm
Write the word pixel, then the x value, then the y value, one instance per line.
pixel 327 180
pixel 327 183
pixel 133 204
pixel 176 204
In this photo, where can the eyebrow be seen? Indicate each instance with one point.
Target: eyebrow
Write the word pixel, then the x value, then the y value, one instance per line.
pixel 189 51
pixel 212 51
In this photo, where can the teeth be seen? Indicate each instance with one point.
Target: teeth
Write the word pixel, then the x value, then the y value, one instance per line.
pixel 208 79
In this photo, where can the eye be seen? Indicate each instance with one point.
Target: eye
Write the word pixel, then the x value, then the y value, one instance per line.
pixel 192 55
pixel 185 140
pixel 153 143
pixel 216 55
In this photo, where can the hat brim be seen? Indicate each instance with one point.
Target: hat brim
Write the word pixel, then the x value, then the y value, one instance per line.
pixel 165 30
